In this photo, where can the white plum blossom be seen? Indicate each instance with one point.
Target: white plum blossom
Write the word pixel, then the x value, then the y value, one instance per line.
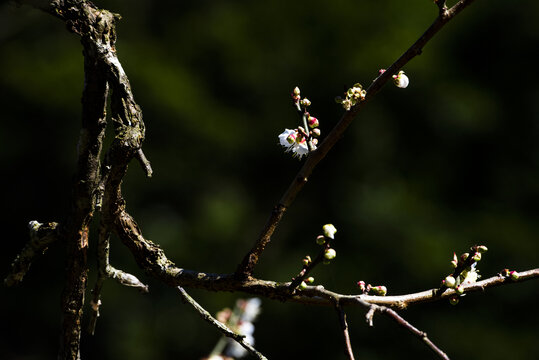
pixel 470 277
pixel 250 309
pixel 401 80
pixel 293 142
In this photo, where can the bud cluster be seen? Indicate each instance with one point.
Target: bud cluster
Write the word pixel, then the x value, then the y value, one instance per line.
pixel 352 97
pixel 510 273
pixel 324 240
pixel 301 281
pixel 371 290
pixel 303 139
pixel 465 272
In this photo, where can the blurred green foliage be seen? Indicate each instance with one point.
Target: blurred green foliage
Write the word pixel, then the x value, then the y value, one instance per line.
pixel 449 162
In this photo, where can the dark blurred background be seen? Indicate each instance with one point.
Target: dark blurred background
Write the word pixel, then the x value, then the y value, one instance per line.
pixel 449 162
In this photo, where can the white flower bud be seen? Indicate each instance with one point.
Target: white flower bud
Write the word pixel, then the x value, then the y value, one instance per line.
pixel 450 282
pixel 305 102
pixel 329 230
pixel 401 80
pixel 330 254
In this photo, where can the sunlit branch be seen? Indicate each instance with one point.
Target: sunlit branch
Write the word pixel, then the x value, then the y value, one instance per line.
pixel 246 267
pixel 41 237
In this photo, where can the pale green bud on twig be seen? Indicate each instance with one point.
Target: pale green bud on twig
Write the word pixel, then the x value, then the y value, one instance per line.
pixel 454 300
pixel 330 254
pixel 450 282
pixel 320 239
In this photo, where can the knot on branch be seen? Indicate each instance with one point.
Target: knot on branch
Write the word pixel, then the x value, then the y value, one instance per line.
pixel 129 138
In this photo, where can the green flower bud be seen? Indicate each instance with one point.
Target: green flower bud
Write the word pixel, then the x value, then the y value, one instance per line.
pixel 454 300
pixel 459 290
pixel 379 290
pixel 477 256
pixel 455 261
pixel 514 275
pixel 482 249
pixel 302 286
pixel 305 102
pixel 320 239
pixel 330 254
pixel 450 282
pixel 312 122
pixel 310 280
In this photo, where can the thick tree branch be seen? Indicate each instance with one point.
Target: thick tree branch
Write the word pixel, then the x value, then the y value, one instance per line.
pixel 153 260
pixel 94 100
pixel 96 29
pixel 246 267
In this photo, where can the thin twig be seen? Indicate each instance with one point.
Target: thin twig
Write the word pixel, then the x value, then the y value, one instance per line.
pixel 144 162
pixel 309 267
pixel 405 324
pixel 107 271
pixel 102 263
pixel 245 269
pixel 346 335
pixel 219 325
pixel 317 295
